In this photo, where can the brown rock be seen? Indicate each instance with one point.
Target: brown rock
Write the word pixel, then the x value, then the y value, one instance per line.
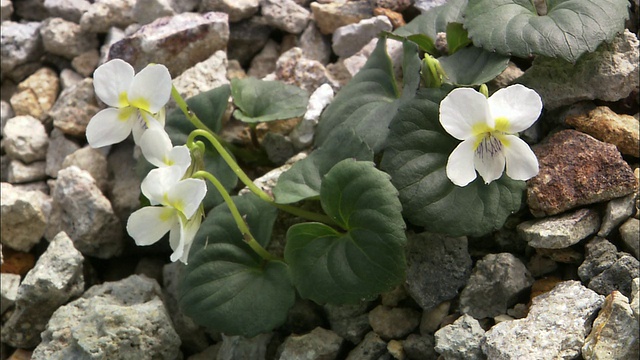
pixel 395 17
pixel 602 123
pixel 576 170
pixel 74 108
pixel 331 16
pixel 36 94
pixel 16 262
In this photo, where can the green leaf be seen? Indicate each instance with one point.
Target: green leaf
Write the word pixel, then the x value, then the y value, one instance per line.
pixel 434 20
pixel 370 100
pixel 227 287
pixel 473 66
pixel 304 178
pixel 261 101
pixel 569 29
pixel 345 267
pixel 416 158
pixel 457 37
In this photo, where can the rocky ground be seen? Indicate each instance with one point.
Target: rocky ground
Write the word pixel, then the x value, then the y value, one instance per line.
pixel 560 285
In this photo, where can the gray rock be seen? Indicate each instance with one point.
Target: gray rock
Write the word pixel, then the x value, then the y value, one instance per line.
pixel 70 10
pixel 332 15
pixel 615 331
pixel 21 43
pixel 372 347
pixel 264 62
pixel 420 347
pixel 292 68
pixel 178 42
pixel 104 14
pixel 393 323
pixel 600 254
pixel 31 9
pixel 86 63
pixel 349 39
pixel 555 327
pixel 612 69
pixel 113 36
pixel 203 76
pixel 237 9
pixel 495 284
pixel 82 211
pixel 437 267
pixel 314 45
pixel 25 139
pixel 9 284
pixel 59 148
pixel 302 135
pixel 6 10
pixel 635 298
pixel 24 216
pixel 114 320
pixel 68 78
pixel 617 211
pixel 278 147
pixel 19 172
pixel 431 319
pixel 316 345
pixel 247 38
pixel 6 113
pixel 351 322
pixel 460 340
pixel 238 347
pixel 630 234
pixel 56 278
pixel 285 15
pixel 354 63
pixel 125 188
pixel 146 11
pixel 36 94
pixel 93 161
pixel 618 276
pixel 74 108
pixel 66 38
pixel 561 231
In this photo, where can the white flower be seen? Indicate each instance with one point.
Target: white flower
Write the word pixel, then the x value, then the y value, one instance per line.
pixel 157 149
pixel 486 128
pixel 136 102
pixel 178 211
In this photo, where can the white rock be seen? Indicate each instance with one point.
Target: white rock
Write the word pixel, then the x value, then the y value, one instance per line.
pixel 24 216
pixel 314 45
pixel 460 340
pixel 285 15
pixel 6 113
pixel 617 211
pixel 59 148
pixel 19 172
pixel 25 139
pixel 9 284
pixel 349 39
pixel 237 9
pixel 562 231
pixel 70 10
pixel 20 44
pixel 302 136
pixel 146 11
pixel 203 76
pixel 65 38
pixel 104 14
pixel 6 10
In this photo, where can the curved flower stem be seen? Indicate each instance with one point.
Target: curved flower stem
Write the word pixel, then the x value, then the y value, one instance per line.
pixel 242 224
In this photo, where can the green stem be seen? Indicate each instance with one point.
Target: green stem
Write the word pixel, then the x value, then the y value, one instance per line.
pixel 242 224
pixel 187 112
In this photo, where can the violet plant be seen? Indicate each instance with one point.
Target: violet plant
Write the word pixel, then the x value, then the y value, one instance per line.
pixel 383 155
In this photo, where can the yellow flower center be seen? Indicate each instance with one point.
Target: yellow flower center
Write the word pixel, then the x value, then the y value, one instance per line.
pixel 123 100
pixel 140 103
pixel 490 141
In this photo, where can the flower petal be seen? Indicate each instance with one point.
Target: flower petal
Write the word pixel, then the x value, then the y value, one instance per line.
pixel 460 169
pixel 151 88
pixel 176 239
pixel 520 105
pixel 149 224
pixel 111 80
pixel 187 232
pixel 522 163
pixel 489 159
pixel 109 126
pixel 158 182
pixel 462 110
pixel 181 157
pixel 155 145
pixel 187 195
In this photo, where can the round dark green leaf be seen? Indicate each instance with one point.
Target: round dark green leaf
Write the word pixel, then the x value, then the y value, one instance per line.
pixel 260 101
pixel 473 66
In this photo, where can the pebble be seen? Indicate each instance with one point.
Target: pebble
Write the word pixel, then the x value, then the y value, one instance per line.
pixel 618 276
pixel 66 38
pixel 9 284
pixel 600 254
pixel 74 108
pixel 6 10
pixel 576 170
pixel 285 15
pixel 617 211
pixel 264 63
pixel 125 185
pixel 555 327
pixel 315 45
pixel 59 148
pixel 431 319
pixel 460 340
pixel 393 323
pixel 86 63
pixel 558 232
pixel 237 9
pixel 302 135
pixel 420 347
pixel 330 16
pixel 146 11
pixel 36 94
pixel 6 113
pixel 539 265
pixel 437 267
pixel 372 347
pixel 246 38
pixel 630 234
pixel 19 172
pixel 317 345
pixel 495 284
pixel 203 76
pixel 93 161
pixel 635 298
pixel 70 10
pixel 351 322
pixel 103 15
pixel 24 216
pixel 396 349
pixel 292 68
pixel 349 39
pixel 238 347
pixel 21 44
pixel 25 139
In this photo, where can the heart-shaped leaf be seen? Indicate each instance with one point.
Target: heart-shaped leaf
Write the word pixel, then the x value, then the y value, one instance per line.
pixel 457 37
pixel 434 20
pixel 473 66
pixel 416 158
pixel 569 29
pixel 344 267
pixel 304 178
pixel 260 101
pixel 227 287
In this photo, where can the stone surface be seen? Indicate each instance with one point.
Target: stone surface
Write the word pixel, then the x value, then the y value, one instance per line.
pixel 372 347
pixel 555 327
pixel 278 148
pixel 6 113
pixel 104 14
pixel 9 284
pixel 56 278
pixel 237 9
pixel 605 125
pixel 74 108
pixel 86 63
pixel 6 10
pixel 437 267
pixel 19 172
pixel 495 284
pixel 25 139
pixel 420 347
pixel 292 68
pixel 316 345
pixel 314 45
pixel 264 62
pixel 203 76
pixel 238 347
pixel 146 11
pixel 349 39
pixel 600 254
pixel 460 340
pixel 562 231
pixel 331 16
pixel 125 187
pixel 302 135
pixel 247 38
pixel 82 211
pixel 59 148
pixel 617 211
pixel 612 74
pixel 20 43
pixel 618 276
pixel 93 161
pixel 70 10
pixel 431 319
pixel 576 170
pixel 24 216
pixel 351 322
pixel 635 298
pixel 66 38
pixel 285 15
pixel 178 42
pixel 615 331
pixel 43 86
pixel 393 323
pixel 630 234
pixel 114 320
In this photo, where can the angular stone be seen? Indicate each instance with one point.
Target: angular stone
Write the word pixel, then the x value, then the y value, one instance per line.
pixel 86 63
pixel 618 276
pixel 36 94
pixel 460 340
pixel 31 9
pixel 74 108
pixel 316 345
pixel 178 42
pixel 420 347
pixel 21 43
pixel 238 347
pixel 314 45
pixel 70 10
pixel 555 327
pixel 56 279
pixel 237 9
pixel 349 39
pixel 302 135
pixel 82 211
pixel 615 331
pixel 65 38
pixel 396 18
pixel 372 347
pixel 617 211
pixel 393 323
pixel 285 15
pixel 330 16
pixel 93 161
pixel 437 267
pixel 6 10
pixel 635 298
pixel 602 123
pixel 600 255
pixel 24 216
pixel 103 15
pixel 114 320
pixel 612 68
pixel 19 172
pixel 264 63
pixel 247 38
pixel 146 11
pixel 125 188
pixel 540 265
pixel 6 113
pixel 351 322
pixel 203 76
pixel 25 139
pixel 495 284
pixel 431 319
pixel 292 68
pixel 9 284
pixel 561 231
pixel 630 234
pixel 576 170
pixel 59 148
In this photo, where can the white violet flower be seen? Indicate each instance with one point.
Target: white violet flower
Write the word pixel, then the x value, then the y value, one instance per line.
pixel 177 213
pixel 157 149
pixel 136 102
pixel 488 129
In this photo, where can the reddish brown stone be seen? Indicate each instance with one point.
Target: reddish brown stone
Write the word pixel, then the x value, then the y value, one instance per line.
pixel 576 170
pixel 16 262
pixel 605 125
pixel 396 18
